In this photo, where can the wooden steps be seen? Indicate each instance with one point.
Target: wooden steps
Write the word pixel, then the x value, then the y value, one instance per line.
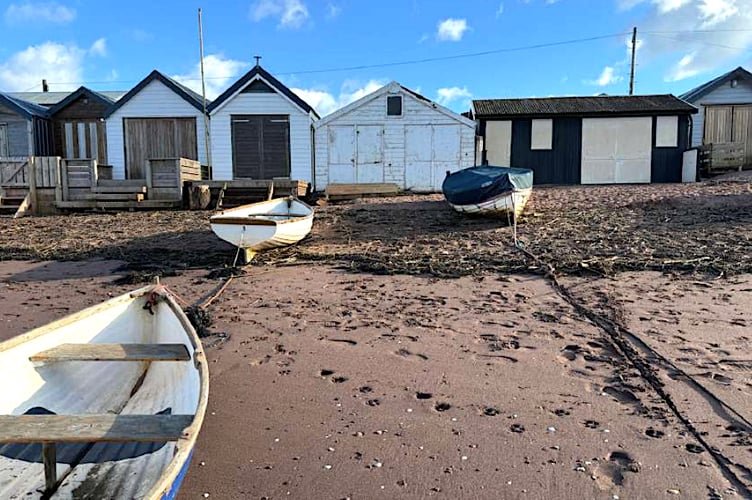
pixel 119 189
pixel 339 192
pixel 119 205
pixel 108 197
pixel 92 428
pixel 113 352
pixel 120 183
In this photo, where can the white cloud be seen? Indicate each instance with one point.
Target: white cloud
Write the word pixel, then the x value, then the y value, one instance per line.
pixel 61 65
pixel 291 13
pixel 693 37
pixel 448 95
pixel 451 29
pixel 219 72
pixel 608 77
pixel 99 47
pixel 325 102
pixel 51 12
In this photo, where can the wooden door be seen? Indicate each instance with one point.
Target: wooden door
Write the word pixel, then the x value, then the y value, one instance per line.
pixel 369 166
pixel 157 138
pixel 83 140
pixel 718 124
pixel 616 150
pixel 3 140
pixel 742 130
pixel 418 157
pixel 341 140
pixel 260 146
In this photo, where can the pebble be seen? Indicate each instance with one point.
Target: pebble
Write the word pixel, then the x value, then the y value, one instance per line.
pixel 580 468
pixel 551 429
pixel 464 457
pixel 454 419
pixel 615 497
pixel 409 410
pixel 330 449
pixel 206 495
pixel 202 463
pixel 327 467
pixel 673 492
pixel 377 463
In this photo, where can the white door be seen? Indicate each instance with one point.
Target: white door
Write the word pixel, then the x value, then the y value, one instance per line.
pixel 370 154
pixel 447 152
pixel 418 157
pixel 616 150
pixel 341 154
pixel 499 143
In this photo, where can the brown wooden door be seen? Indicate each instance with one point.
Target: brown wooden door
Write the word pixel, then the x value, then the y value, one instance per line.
pixel 742 130
pixel 83 139
pixel 157 138
pixel 260 146
pixel 718 124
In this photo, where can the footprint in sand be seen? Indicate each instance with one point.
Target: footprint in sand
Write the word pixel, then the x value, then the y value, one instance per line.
pixel 406 354
pixel 591 424
pixel 343 341
pixel 441 407
pixel 373 402
pixel 423 395
pixel 621 395
pixel 654 433
pixel 517 428
pixel 694 448
pixel 611 473
pixel 365 389
pixel 326 373
pixel 490 411
pixel 340 379
pixel 561 412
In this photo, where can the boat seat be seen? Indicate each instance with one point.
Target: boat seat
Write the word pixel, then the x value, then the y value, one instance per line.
pixel 113 352
pixel 50 430
pixel 92 428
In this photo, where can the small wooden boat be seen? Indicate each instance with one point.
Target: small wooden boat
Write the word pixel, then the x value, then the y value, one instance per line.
pixel 489 190
pixel 264 225
pixel 104 403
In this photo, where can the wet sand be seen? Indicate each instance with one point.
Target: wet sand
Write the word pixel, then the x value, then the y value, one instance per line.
pixel 331 384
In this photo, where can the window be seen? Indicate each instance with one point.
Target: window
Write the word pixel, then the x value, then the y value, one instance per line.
pixel 541 134
pixel 667 132
pixel 394 105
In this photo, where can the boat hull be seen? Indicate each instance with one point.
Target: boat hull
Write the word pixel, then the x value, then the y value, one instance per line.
pixel 511 204
pixel 125 469
pixel 266 225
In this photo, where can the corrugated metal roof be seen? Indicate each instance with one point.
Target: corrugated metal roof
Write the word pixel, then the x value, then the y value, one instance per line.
pixel 25 108
pixel 705 88
pixel 49 99
pixel 573 106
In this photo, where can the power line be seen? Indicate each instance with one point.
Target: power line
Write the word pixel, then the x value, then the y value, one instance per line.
pixel 689 40
pixel 698 31
pixel 396 63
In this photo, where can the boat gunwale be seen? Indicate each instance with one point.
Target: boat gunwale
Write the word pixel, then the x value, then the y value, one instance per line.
pixel 489 201
pixel 184 445
pixel 250 221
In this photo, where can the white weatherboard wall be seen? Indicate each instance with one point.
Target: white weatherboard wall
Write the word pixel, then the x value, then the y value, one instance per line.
pixel 725 94
pixel 261 104
pixel 156 100
pixel 616 150
pixel 417 148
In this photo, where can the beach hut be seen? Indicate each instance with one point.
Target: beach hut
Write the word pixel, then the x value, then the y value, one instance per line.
pixel 24 128
pixel 260 129
pixel 158 119
pixel 587 140
pixel 725 111
pixel 78 125
pixel 393 135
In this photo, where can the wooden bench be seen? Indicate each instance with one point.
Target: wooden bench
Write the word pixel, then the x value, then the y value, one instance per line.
pixel 51 429
pixel 113 352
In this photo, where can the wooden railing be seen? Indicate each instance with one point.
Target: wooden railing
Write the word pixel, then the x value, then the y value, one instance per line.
pixel 721 157
pixel 16 173
pixel 165 176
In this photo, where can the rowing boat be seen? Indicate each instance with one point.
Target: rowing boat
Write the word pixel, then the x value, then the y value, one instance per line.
pixel 264 225
pixel 104 403
pixel 489 190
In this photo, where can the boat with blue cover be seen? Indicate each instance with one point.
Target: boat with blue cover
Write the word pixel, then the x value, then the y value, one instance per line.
pixel 489 190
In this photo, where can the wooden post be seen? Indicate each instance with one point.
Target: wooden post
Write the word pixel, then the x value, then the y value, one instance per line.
pixel 634 55
pixel 58 179
pixel 64 179
pixel 147 174
pixel 33 185
pixel 94 175
pixel 49 458
pixel 270 191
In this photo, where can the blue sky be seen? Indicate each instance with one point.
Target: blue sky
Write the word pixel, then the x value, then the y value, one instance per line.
pixel 109 46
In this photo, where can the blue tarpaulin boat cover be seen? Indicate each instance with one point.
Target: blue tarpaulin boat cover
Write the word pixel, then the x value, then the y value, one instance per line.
pixel 478 184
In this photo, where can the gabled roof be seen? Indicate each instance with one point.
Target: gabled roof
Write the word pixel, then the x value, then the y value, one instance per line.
pixel 259 72
pixel 581 106
pixel 82 92
pixel 704 89
pixel 49 99
pixel 187 94
pixel 24 108
pixel 393 87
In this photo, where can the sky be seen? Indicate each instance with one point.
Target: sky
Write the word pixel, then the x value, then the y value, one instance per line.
pixel 332 52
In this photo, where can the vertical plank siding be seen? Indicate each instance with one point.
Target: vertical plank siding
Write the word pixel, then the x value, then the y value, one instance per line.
pixel 415 113
pixel 155 100
pixel 723 95
pixel 16 132
pixel 561 164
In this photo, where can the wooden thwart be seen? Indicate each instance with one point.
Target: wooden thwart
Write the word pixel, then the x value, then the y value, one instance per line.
pixel 92 428
pixel 113 352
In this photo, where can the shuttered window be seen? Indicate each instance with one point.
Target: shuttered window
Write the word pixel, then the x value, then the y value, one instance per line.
pixel 542 134
pixel 260 146
pixel 394 105
pixel 667 132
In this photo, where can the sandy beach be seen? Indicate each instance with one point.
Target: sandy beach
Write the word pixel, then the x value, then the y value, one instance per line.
pixel 402 351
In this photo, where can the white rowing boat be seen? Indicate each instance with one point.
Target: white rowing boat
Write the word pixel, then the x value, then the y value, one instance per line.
pixel 104 403
pixel 512 204
pixel 264 225
pixel 489 190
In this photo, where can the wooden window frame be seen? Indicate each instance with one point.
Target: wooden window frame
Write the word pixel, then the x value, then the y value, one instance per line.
pixel 549 146
pixel 675 143
pixel 402 106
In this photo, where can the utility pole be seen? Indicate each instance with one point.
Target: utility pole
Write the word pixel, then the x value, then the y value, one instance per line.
pixel 634 55
pixel 207 141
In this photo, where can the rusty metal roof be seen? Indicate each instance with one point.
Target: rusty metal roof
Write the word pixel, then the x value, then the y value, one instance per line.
pixel 582 106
